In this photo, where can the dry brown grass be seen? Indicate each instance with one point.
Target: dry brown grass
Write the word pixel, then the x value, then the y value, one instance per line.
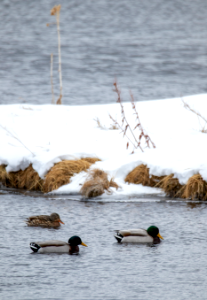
pixel 91 160
pixel 27 179
pixel 195 188
pixel 61 173
pixel 97 183
pixel 3 175
pixel 112 183
pixel 93 188
pixel 95 173
pixel 55 10
pixel 170 185
pixel 140 175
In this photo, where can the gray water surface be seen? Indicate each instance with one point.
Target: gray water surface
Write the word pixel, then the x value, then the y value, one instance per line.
pixel 158 49
pixel 174 269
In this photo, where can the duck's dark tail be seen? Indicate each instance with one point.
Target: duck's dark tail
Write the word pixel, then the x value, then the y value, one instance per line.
pixel 34 247
pixel 118 236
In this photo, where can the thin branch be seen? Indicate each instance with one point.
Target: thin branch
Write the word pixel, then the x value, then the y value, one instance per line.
pixel 119 126
pixel 123 113
pixel 146 136
pixel 187 106
pixel 125 126
pixel 11 134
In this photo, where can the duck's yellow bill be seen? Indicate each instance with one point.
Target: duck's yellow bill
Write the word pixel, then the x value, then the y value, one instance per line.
pixel 160 236
pixel 83 244
pixel 61 222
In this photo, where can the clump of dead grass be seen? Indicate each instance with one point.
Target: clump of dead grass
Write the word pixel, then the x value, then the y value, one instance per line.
pixel 140 175
pixel 91 160
pixel 195 188
pixel 97 183
pixel 27 179
pixel 170 185
pixel 3 175
pixel 61 173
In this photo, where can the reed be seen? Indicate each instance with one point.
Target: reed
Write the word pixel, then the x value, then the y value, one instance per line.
pixel 51 77
pixel 55 11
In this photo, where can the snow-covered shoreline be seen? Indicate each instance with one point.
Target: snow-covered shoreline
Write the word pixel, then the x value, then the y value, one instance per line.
pixel 43 135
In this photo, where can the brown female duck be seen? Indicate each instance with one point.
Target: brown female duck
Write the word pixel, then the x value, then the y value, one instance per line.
pixel 45 221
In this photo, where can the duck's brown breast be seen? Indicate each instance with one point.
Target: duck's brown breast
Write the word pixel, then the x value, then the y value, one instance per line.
pixel 73 249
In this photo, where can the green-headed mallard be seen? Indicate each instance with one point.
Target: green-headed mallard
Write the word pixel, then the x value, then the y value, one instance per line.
pixel 55 246
pixel 45 221
pixel 151 235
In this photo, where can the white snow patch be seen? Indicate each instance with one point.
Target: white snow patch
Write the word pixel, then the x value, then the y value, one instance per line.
pixel 50 134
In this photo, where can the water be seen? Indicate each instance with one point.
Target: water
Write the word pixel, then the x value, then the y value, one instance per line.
pixel 174 269
pixel 155 48
pixel 158 50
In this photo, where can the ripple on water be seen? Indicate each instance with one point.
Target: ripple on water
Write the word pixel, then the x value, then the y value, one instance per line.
pixel 175 268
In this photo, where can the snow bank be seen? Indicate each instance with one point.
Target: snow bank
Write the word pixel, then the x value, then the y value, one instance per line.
pixel 44 135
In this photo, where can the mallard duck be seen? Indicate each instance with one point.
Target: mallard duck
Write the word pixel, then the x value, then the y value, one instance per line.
pixel 151 235
pixel 55 246
pixel 45 221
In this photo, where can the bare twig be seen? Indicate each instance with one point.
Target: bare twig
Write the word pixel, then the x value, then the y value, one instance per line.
pixel 121 128
pixel 98 122
pixel 187 106
pixel 139 125
pixel 125 124
pixel 124 120
pixel 99 125
pixel 12 135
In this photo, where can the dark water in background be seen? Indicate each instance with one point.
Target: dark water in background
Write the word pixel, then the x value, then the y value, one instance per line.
pixel 158 49
pixel 174 269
